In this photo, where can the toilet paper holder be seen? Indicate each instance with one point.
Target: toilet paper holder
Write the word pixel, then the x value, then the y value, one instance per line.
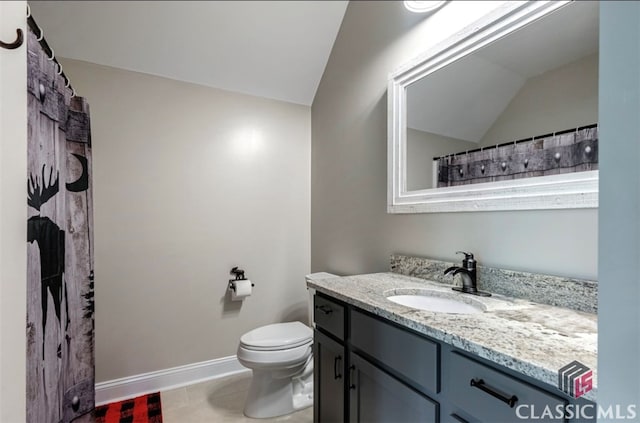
pixel 239 274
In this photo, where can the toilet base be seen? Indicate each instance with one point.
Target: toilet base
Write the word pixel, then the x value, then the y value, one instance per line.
pixel 272 397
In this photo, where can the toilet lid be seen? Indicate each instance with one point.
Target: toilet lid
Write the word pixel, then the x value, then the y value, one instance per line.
pixel 277 336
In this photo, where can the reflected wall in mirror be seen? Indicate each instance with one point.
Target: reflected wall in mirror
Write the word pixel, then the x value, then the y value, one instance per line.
pixel 527 73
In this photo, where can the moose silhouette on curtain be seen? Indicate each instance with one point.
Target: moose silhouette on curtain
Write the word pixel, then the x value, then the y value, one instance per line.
pixel 50 239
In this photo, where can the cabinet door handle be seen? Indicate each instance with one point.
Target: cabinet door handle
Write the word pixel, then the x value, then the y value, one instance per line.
pixel 351 384
pixel 336 373
pixel 511 401
pixel 325 309
pixel 457 418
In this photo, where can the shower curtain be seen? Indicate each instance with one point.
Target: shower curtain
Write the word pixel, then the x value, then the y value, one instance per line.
pixel 60 304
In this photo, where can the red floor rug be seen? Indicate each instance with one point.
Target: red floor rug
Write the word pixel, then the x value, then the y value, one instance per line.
pixel 143 409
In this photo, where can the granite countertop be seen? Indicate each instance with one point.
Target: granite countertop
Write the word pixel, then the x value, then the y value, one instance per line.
pixel 530 338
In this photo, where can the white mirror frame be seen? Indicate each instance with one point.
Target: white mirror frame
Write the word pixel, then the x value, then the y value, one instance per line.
pixel 569 190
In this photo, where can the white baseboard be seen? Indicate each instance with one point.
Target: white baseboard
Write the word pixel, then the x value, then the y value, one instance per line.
pixel 162 380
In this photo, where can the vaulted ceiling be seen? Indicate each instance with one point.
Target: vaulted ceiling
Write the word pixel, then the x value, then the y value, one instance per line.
pixel 273 49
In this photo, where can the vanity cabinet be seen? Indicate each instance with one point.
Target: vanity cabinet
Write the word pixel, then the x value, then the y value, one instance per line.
pixel 369 369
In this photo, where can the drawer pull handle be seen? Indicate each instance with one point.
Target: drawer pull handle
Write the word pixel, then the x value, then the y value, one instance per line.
pixel 511 401
pixel 336 373
pixel 325 309
pixel 351 384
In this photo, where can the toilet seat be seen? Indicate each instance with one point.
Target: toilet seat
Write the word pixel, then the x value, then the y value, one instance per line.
pixel 283 359
pixel 277 337
pixel 280 345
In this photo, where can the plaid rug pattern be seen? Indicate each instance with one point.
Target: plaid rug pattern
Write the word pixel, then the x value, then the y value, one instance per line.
pixel 142 409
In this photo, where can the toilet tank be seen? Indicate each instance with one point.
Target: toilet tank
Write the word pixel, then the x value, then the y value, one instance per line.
pixel 312 292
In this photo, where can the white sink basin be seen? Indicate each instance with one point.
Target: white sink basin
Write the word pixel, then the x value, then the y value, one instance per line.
pixel 438 304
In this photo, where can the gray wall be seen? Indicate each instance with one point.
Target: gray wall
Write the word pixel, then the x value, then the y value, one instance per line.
pixel 350 229
pixel 619 292
pixel 190 181
pixel 13 216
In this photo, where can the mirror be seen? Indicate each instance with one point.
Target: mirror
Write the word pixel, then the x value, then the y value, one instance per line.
pixel 502 116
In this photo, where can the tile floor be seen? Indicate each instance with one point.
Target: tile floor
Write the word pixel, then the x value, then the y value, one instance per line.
pixel 217 401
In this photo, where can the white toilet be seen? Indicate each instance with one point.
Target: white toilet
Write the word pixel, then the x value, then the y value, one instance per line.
pixel 281 357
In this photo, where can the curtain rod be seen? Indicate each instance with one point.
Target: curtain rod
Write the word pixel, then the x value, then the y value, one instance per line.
pixel 48 50
pixel 551 134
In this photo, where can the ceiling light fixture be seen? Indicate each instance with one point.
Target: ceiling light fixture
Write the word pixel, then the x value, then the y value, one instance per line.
pixel 423 6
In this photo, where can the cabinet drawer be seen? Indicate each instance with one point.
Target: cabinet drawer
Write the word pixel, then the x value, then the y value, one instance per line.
pixel 411 356
pixel 492 396
pixel 329 315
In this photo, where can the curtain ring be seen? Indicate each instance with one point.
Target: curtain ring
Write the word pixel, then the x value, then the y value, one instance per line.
pixel 53 55
pixel 28 11
pixel 67 84
pixel 41 36
pixel 59 68
pixel 73 92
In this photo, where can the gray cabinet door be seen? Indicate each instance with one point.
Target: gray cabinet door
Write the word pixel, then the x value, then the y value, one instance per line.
pixel 375 396
pixel 328 380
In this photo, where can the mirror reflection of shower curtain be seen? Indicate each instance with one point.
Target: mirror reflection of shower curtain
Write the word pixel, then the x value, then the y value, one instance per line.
pixel 569 151
pixel 60 303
